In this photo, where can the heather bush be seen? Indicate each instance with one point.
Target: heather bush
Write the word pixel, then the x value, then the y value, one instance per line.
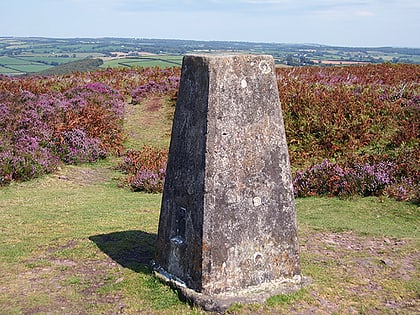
pixel 346 113
pixel 322 179
pixel 166 86
pixel 76 147
pixel 97 110
pixel 145 168
pixel 148 181
pixel 370 180
pixel 82 124
pixel 364 118
pixel 331 179
pixel 71 118
pixel 25 161
pixel 360 117
pixel 405 189
pixel 24 139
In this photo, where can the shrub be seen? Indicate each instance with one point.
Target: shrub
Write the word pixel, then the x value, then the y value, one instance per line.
pixel 165 86
pixel 24 139
pixel 76 147
pixel 358 117
pixel 342 113
pixel 97 110
pixel 325 178
pixel 148 181
pixel 25 161
pixel 145 168
pixel 370 180
pixel 82 124
pixel 331 179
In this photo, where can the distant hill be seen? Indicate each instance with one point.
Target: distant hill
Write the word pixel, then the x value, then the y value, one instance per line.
pixel 84 65
pixel 34 55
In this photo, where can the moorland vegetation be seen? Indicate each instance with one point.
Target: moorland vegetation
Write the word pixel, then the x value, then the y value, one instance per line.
pixel 351 130
pixel 75 242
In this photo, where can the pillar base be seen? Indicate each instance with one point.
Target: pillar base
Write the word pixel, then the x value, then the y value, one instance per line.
pixel 222 301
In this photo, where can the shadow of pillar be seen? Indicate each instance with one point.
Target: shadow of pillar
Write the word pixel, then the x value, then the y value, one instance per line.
pixel 131 249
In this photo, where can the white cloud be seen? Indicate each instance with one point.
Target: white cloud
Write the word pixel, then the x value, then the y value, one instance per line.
pixel 365 13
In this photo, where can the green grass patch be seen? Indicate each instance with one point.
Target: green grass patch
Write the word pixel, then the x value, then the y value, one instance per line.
pixel 50 60
pixel 6 70
pixel 76 241
pixel 17 64
pixel 162 61
pixel 286 298
pixel 368 216
pixel 31 67
pixel 6 60
pixel 149 127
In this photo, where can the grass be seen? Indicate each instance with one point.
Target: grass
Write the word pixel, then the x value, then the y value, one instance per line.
pixel 75 240
pixel 149 123
pixel 367 216
pixel 19 65
pixel 81 237
pixel 163 61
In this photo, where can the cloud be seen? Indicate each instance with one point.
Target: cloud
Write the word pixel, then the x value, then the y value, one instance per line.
pixel 279 7
pixel 365 13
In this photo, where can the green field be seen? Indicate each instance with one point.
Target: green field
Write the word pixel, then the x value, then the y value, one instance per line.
pixel 142 52
pixel 33 64
pixel 29 64
pixel 8 71
pixel 162 61
pixel 19 65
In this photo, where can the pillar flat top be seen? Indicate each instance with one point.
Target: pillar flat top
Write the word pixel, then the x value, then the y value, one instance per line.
pixel 226 55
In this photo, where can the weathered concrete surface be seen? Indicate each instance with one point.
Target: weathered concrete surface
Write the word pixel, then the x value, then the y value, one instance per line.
pixel 228 218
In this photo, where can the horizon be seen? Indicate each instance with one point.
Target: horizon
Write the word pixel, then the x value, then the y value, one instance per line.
pixel 197 40
pixel 336 23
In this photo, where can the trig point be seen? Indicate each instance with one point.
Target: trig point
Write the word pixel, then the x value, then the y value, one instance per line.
pixel 227 230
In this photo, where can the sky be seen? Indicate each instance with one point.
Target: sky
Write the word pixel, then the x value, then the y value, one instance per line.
pixel 355 23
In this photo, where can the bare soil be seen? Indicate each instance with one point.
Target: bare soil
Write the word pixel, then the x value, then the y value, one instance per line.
pixel 84 175
pixel 55 285
pixel 364 270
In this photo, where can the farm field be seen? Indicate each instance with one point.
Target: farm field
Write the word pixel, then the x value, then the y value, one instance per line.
pixel 12 65
pixel 31 55
pixel 31 63
pixel 162 61
pixel 35 64
pixel 77 237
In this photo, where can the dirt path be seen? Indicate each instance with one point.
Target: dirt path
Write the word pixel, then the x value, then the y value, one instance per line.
pixel 148 123
pixel 85 175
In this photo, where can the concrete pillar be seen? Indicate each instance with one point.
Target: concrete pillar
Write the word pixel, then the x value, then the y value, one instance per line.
pixel 227 229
